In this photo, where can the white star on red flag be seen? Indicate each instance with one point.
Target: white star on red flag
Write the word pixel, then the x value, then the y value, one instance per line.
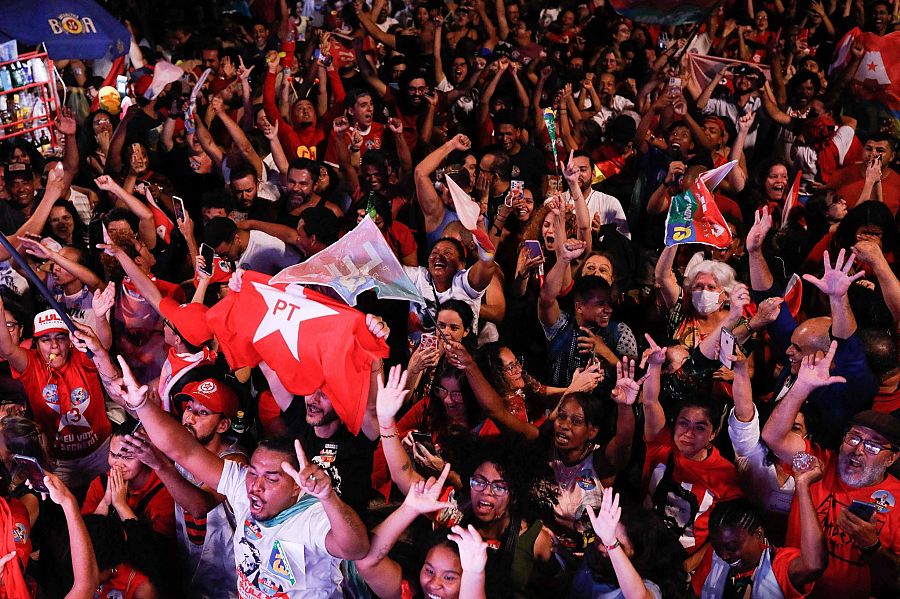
pixel 284 313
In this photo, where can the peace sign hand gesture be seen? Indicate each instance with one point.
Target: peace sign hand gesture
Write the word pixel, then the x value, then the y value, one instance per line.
pixel 311 479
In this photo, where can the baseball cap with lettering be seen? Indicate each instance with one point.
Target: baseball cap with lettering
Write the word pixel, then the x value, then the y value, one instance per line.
pixel 47 322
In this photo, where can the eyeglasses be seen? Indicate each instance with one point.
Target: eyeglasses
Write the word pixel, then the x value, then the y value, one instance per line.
pixel 11 325
pixel 870 447
pixel 443 393
pixel 513 366
pixel 202 413
pixel 573 420
pixel 499 488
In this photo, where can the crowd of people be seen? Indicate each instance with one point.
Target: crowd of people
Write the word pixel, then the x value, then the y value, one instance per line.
pixel 574 408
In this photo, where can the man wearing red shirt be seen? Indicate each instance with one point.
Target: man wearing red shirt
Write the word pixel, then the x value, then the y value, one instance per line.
pixel 873 177
pixel 856 500
pixel 65 394
pixel 361 115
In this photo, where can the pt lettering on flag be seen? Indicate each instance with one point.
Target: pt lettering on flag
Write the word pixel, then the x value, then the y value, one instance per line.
pixel 312 342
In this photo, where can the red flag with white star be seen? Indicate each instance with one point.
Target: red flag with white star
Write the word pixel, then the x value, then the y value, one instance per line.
pixel 878 75
pixel 311 341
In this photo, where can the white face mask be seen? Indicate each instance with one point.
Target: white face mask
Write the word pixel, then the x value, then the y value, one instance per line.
pixel 706 302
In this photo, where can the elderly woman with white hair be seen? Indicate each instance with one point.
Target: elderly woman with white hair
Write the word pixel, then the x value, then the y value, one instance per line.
pixel 708 300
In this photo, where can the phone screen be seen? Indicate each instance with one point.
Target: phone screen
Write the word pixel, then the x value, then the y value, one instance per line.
pixel 424 439
pixel 428 341
pixel 179 208
pixel 862 509
pixel 95 234
pixel 122 84
pixel 533 247
pixel 30 469
pixel 517 188
pixel 209 256
pixel 726 348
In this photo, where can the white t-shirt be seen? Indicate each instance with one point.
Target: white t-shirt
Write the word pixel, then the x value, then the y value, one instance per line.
pixel 607 206
pixel 619 105
pixel 285 560
pixel 459 289
pixel 267 254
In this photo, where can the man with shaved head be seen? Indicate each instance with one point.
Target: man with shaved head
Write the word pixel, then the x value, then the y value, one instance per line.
pixel 838 402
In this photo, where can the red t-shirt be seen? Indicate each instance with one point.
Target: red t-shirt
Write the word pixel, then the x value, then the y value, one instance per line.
pixel 848 573
pixel 848 182
pixel 68 403
pixel 887 402
pixel 781 565
pixel 371 141
pixel 711 480
pixel 158 512
pixel 124 583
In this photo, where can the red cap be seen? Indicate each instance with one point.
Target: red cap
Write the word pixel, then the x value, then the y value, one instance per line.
pixel 220 83
pixel 189 320
pixel 142 85
pixel 214 395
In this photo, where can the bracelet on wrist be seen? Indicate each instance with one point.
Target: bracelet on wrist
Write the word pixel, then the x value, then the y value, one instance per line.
pixel 618 543
pixel 871 549
pixel 389 435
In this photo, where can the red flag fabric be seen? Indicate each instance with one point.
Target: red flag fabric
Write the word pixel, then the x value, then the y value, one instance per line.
pixel 793 294
pixel 878 75
pixel 704 68
pixel 311 341
pixel 791 201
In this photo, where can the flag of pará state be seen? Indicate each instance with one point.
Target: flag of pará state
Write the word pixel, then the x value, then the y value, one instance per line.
pixel 311 341
pixel 695 218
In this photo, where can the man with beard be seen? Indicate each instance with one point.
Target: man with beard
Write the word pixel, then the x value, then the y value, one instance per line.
pixel 360 114
pixel 603 208
pixel 203 519
pixel 302 176
pixel 747 82
pixel 245 189
pixel 528 164
pixel 345 457
pixel 873 178
pixel 856 499
pixel 836 403
pixel 252 250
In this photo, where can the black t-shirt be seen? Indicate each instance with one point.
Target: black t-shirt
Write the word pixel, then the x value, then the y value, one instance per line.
pixel 529 166
pixel 345 457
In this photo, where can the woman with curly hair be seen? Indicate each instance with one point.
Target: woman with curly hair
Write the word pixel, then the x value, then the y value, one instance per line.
pixel 502 495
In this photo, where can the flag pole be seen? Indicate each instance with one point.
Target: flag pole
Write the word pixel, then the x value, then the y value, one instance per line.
pixel 39 285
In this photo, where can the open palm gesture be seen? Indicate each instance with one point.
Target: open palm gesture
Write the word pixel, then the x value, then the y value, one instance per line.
pixel 762 223
pixel 835 281
pixel 390 396
pixel 605 521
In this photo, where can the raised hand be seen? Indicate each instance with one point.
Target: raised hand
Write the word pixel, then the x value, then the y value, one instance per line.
pixel 236 281
pixel 390 396
pixel 132 394
pixel 746 121
pixel 395 125
pixel 835 280
pixel 106 183
pixel 377 326
pixel 66 124
pixel 243 72
pixel 35 248
pixel 569 170
pixel 311 479
pixel 458 355
pixel 571 249
pixel 606 521
pixel 269 130
pixel 472 548
pixel 586 379
pixel 84 338
pixel 739 298
pixel 762 223
pixel 766 312
pixel 815 371
pixel 813 472
pixel 138 446
pixel 57 489
pixel 424 357
pixel 104 300
pixel 461 142
pixel 626 389
pixel 654 356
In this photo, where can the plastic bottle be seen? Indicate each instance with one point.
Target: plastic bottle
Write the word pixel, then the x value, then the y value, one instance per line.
pixel 6 81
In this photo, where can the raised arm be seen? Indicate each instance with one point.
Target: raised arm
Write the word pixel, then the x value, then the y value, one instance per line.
pixel 84 274
pixel 666 281
pixel 383 575
pixel 654 415
pixel 737 176
pixel 146 225
pixel 813 559
pixel 166 433
pixel 429 202
pixel 871 254
pixel 84 564
pixel 605 524
pixel 835 283
pixel 770 105
pixel 548 306
pixel 761 278
pixel 777 433
pixel 245 148
pixel 11 352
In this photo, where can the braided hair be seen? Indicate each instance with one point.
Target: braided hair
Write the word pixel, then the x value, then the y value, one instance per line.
pixel 736 512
